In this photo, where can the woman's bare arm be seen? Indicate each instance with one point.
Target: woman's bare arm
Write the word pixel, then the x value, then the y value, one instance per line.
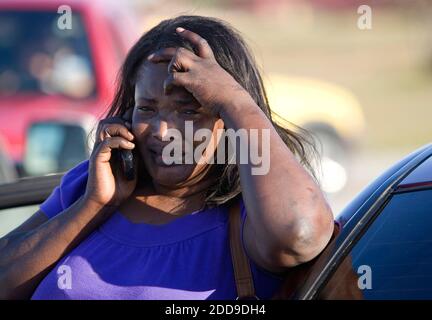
pixel 29 252
pixel 289 221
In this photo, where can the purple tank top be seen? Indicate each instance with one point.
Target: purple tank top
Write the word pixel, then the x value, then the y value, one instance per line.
pixel 188 258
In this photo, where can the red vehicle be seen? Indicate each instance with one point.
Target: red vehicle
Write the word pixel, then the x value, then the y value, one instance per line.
pixel 49 73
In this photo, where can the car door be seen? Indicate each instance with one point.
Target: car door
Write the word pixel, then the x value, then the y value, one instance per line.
pixel 392 259
pixel 19 200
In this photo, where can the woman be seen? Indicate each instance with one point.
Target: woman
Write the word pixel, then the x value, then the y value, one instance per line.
pixel 164 235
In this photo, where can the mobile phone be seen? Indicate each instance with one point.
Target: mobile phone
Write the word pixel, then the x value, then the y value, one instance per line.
pixel 126 156
pixel 127 164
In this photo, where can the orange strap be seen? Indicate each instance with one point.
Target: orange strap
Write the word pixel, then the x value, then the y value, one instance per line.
pixel 242 271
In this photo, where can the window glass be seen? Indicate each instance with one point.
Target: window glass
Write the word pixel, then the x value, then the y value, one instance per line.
pixel 36 56
pixel 393 259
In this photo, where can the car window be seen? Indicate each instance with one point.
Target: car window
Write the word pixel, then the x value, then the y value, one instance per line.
pixel 393 258
pixel 13 217
pixel 54 147
pixel 37 56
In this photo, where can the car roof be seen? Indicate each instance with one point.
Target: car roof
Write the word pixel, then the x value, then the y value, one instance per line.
pixel 414 168
pixel 422 175
pixel 356 217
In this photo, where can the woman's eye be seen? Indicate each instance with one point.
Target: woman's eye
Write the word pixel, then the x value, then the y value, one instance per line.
pixel 189 111
pixel 145 109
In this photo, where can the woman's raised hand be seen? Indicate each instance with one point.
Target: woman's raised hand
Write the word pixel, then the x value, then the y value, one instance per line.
pixel 199 73
pixel 106 185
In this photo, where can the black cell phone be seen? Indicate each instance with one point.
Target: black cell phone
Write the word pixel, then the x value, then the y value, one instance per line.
pixel 127 156
pixel 127 164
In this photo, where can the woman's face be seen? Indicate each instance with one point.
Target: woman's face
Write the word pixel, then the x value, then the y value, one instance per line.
pixel 154 113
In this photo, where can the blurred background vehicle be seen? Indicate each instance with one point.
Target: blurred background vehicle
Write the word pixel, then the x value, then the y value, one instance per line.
pixel 8 172
pixel 53 74
pixel 365 94
pixel 331 113
pixel 55 146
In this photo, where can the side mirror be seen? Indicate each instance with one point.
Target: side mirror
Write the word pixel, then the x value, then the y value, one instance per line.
pixel 54 147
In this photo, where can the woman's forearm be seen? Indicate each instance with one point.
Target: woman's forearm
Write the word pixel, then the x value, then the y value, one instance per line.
pixel 286 208
pixel 25 258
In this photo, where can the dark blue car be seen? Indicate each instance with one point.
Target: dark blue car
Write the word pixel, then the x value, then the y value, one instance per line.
pixel 383 250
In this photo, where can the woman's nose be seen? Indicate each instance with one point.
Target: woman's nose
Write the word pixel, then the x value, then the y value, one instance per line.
pixel 160 129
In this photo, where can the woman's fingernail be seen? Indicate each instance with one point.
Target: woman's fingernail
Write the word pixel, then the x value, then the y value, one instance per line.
pixel 180 29
pixel 131 144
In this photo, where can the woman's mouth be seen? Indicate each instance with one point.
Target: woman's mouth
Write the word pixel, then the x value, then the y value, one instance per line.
pixel 164 161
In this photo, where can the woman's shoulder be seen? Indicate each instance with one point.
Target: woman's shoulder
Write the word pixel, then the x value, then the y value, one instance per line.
pixel 71 187
pixel 78 170
pixel 75 178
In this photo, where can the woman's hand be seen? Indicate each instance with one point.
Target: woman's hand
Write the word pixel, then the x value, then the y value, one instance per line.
pixel 107 185
pixel 199 73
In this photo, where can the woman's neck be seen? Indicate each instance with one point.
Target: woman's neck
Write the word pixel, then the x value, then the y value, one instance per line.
pixel 186 190
pixel 198 184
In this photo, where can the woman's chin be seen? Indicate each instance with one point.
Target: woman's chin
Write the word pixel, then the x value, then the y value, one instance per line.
pixel 171 175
